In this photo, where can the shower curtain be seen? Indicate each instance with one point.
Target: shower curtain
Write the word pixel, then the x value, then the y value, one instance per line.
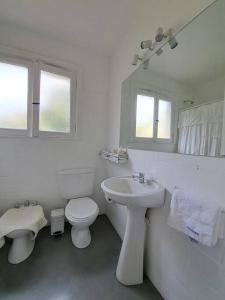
pixel 200 130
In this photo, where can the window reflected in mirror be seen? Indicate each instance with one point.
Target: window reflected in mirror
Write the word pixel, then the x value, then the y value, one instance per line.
pixel 144 116
pixel 175 103
pixel 164 119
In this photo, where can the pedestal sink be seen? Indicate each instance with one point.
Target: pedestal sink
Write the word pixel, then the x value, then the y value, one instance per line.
pixel 137 197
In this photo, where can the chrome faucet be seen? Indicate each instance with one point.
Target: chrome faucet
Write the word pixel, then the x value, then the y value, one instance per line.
pixel 26 203
pixel 139 176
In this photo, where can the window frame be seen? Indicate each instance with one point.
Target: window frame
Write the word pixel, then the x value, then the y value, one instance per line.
pixel 157 96
pixel 34 66
pixel 167 99
pixel 147 93
pixel 44 66
pixel 11 132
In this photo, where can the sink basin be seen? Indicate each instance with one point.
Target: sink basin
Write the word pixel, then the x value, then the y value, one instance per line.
pixel 137 197
pixel 127 191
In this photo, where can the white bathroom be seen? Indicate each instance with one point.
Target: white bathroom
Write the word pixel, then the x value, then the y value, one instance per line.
pixel 112 149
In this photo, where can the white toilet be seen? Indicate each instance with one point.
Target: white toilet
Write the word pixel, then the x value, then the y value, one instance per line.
pixel 81 211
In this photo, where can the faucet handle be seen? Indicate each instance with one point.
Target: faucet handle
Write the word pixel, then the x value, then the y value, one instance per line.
pixel 149 181
pixel 17 205
pixel 26 203
pixel 135 175
pixel 138 176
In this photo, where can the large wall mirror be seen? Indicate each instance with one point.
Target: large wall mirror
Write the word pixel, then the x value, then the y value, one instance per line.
pixel 175 103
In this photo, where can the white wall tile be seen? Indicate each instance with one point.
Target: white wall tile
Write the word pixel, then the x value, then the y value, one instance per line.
pixel 178 267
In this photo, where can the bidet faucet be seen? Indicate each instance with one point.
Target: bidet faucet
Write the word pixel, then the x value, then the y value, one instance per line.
pixel 26 203
pixel 139 176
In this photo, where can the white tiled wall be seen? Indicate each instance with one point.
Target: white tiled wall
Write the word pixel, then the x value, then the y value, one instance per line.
pixel 28 167
pixel 179 268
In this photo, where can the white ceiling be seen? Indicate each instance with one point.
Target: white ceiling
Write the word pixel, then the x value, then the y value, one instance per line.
pixel 96 24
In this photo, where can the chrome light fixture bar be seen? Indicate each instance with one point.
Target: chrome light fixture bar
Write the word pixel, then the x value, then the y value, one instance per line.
pixel 135 60
pixel 161 38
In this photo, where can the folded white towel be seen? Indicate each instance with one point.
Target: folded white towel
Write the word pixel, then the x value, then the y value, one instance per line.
pixel 199 219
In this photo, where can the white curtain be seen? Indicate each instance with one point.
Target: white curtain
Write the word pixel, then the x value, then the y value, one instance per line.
pixel 200 130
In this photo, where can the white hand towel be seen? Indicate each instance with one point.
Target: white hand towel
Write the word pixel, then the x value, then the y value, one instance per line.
pixel 199 219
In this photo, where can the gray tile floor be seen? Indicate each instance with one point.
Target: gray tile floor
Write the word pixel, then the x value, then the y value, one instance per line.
pixel 57 270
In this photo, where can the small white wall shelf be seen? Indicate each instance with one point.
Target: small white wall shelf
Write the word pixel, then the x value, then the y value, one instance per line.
pixel 118 158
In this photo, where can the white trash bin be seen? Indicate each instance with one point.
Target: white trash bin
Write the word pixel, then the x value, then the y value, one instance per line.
pixel 57 221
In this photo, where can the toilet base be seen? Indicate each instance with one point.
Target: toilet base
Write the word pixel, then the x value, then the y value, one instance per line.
pixel 21 248
pixel 81 237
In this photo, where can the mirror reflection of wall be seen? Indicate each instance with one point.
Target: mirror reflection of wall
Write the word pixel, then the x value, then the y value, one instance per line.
pixel 176 103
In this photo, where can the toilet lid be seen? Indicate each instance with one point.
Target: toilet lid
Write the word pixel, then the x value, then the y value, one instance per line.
pixel 81 208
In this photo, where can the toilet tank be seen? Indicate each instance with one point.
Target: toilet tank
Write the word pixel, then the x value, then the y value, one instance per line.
pixel 76 183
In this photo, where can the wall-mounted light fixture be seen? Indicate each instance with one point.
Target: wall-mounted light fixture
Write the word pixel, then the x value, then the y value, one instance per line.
pixel 172 41
pixel 135 60
pixel 160 35
pixel 161 38
pixel 146 45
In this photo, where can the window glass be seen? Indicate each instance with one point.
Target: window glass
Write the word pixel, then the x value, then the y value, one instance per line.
pixel 164 119
pixel 144 116
pixel 13 96
pixel 54 102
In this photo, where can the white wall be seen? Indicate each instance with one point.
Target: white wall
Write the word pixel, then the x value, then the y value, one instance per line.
pixel 210 91
pixel 179 269
pixel 28 166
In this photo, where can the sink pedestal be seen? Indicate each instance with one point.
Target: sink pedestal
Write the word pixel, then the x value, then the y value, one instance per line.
pixel 130 266
pixel 137 197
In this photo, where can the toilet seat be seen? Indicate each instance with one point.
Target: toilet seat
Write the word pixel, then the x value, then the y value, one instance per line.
pixel 81 209
pixel 81 213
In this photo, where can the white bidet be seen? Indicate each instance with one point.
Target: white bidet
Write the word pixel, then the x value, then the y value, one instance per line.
pixel 22 245
pixel 22 226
